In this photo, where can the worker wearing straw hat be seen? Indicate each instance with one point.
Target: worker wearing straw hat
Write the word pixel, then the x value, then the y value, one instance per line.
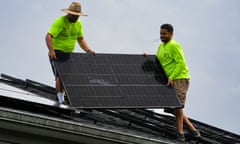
pixel 62 36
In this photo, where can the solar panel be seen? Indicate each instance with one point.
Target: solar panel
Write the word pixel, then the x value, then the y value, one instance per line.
pixel 115 81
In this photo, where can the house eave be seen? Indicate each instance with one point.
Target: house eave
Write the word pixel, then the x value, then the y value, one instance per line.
pixel 67 130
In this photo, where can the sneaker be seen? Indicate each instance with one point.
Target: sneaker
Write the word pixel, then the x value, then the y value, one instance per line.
pixel 180 137
pixel 196 134
pixel 63 102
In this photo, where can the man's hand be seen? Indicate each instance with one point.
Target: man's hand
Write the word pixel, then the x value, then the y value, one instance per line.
pixel 145 54
pixel 170 83
pixel 91 52
pixel 52 54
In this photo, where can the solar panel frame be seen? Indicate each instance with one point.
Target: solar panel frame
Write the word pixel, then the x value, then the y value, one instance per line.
pixel 115 81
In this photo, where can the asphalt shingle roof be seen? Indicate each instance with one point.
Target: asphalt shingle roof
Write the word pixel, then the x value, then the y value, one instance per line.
pixel 127 125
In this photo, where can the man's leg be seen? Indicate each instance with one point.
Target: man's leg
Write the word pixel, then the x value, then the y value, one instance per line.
pixel 179 124
pixel 185 118
pixel 179 120
pixel 60 90
pixel 194 132
pixel 188 123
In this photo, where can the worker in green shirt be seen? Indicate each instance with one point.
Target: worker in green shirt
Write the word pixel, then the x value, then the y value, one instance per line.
pixel 170 55
pixel 61 38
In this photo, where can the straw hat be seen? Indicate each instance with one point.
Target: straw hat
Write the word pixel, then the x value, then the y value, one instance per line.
pixel 74 9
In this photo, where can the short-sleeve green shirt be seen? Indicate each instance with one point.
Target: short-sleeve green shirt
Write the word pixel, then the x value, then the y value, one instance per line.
pixel 172 59
pixel 64 34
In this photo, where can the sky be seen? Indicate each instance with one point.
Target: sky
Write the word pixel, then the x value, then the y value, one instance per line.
pixel 208 31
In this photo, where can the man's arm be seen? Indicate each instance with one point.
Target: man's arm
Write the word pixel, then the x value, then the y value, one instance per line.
pixel 51 52
pixel 83 44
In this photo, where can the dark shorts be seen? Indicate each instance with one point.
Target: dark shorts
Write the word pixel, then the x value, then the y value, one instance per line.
pixel 54 69
pixel 60 56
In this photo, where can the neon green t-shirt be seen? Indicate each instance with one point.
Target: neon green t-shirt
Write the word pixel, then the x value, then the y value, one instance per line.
pixel 172 59
pixel 64 34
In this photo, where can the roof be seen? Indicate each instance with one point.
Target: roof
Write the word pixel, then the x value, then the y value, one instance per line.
pixel 42 116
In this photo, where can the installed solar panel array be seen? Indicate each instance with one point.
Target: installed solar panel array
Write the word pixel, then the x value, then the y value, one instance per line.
pixel 115 81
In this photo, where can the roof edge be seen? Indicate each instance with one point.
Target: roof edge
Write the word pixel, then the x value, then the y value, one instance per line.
pixel 54 127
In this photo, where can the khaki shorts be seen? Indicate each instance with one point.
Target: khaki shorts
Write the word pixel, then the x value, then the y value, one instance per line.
pixel 181 87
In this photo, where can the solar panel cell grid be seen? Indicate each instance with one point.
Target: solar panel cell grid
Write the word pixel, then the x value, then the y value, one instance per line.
pixel 115 81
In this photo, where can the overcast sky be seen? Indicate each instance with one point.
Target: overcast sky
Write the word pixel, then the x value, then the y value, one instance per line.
pixel 208 31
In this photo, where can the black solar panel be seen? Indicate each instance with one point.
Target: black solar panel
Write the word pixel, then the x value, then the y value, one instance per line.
pixel 115 81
